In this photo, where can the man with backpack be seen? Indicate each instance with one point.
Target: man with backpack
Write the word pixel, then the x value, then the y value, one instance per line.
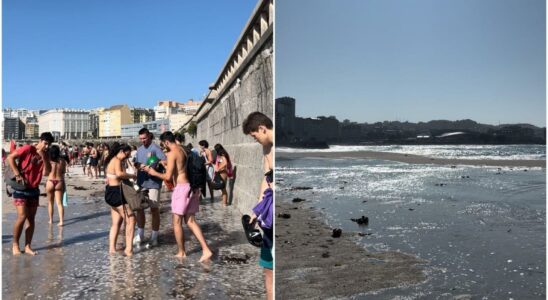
pixel 32 163
pixel 153 184
pixel 185 199
pixel 196 165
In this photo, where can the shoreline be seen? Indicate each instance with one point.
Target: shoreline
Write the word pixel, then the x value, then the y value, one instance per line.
pixel 313 264
pixel 412 158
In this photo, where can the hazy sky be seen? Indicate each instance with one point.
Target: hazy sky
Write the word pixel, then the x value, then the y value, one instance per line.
pixel 85 54
pixel 375 60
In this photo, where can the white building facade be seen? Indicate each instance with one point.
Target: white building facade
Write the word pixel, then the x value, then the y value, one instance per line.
pixel 70 123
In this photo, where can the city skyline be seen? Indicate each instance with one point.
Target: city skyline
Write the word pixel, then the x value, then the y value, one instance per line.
pixel 414 62
pixel 84 55
pixel 184 102
pixel 404 121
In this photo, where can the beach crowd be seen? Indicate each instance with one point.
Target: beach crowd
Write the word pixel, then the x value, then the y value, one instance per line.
pixel 134 176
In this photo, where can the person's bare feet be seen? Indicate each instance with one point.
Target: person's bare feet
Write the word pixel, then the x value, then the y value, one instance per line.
pixel 60 224
pixel 16 250
pixel 128 253
pixel 29 251
pixel 180 254
pixel 206 256
pixel 50 222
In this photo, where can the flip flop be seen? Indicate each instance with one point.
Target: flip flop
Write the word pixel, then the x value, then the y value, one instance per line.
pixel 252 234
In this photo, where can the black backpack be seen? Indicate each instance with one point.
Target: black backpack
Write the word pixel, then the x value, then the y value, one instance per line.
pixel 196 170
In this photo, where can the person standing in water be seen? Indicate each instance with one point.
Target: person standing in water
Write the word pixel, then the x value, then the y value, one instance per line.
pixel 152 184
pixel 259 126
pixel 93 161
pixel 120 210
pixel 184 201
pixel 33 162
pixel 223 166
pixel 208 156
pixel 55 186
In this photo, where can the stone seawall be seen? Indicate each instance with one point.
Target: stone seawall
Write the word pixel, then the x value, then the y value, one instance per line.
pixel 244 85
pixel 253 91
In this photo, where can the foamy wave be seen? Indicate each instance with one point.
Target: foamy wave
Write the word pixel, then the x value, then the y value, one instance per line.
pixel 489 152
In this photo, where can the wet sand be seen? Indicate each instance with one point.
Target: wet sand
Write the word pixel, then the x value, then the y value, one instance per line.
pixel 311 264
pixel 413 159
pixel 73 261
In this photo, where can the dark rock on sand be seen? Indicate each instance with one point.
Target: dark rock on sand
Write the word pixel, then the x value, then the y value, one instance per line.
pixel 80 188
pixel 298 200
pixel 337 232
pixel 325 254
pixel 361 221
pixel 300 188
pixel 234 259
pixel 284 216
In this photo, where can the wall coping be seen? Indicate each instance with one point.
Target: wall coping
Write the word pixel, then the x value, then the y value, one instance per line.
pixel 256 32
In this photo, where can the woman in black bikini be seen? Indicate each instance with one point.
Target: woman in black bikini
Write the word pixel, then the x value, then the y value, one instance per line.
pixel 120 211
pixel 55 186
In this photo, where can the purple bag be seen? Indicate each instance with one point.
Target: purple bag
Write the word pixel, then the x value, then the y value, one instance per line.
pixel 263 210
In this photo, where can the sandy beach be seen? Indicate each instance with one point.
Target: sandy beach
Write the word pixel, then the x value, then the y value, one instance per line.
pixel 73 260
pixel 311 264
pixel 414 159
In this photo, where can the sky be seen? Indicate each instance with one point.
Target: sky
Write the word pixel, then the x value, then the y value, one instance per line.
pixel 87 54
pixel 421 60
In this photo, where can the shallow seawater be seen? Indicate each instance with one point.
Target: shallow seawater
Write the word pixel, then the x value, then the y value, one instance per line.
pixel 73 261
pixel 481 229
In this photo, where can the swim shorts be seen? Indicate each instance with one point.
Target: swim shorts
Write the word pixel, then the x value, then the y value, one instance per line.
pixel 266 261
pixel 183 202
pixel 29 202
pixel 93 161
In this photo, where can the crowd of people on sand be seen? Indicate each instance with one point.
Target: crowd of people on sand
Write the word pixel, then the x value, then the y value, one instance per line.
pixel 182 169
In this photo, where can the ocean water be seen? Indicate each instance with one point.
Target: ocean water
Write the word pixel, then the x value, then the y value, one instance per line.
pixel 481 229
pixel 511 152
